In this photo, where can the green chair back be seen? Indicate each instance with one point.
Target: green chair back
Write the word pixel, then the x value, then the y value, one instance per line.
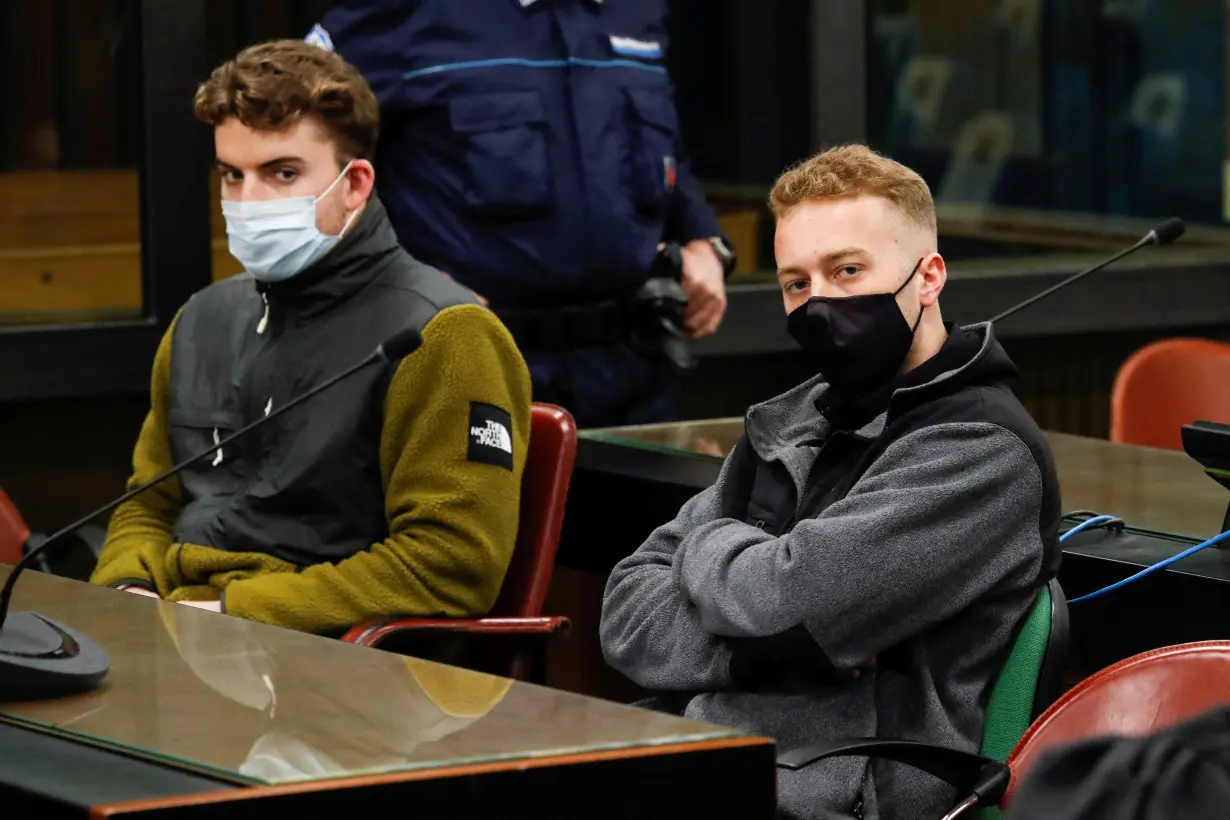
pixel 1029 681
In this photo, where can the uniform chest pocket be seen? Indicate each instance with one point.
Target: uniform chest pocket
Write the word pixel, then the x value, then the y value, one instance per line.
pixel 653 131
pixel 194 431
pixel 504 153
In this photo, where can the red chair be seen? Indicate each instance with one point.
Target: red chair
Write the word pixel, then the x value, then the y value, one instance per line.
pixel 1136 696
pixel 1167 384
pixel 76 556
pixel 517 614
pixel 14 533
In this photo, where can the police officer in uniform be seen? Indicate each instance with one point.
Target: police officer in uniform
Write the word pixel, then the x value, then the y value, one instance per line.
pixel 530 148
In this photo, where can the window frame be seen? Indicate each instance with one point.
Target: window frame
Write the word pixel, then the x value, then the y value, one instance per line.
pixel 838 72
pixel 102 358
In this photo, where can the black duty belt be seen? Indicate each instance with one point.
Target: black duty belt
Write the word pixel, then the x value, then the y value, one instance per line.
pixel 651 321
pixel 594 324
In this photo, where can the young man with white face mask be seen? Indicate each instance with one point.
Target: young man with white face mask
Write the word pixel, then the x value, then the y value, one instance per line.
pixel 394 493
pixel 860 567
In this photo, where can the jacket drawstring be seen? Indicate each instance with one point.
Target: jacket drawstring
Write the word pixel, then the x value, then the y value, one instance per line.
pixel 264 322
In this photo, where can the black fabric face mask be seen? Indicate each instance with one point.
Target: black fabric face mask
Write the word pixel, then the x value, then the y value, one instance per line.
pixel 858 343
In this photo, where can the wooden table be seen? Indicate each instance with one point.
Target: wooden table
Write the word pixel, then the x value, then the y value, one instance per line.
pixel 209 715
pixel 1164 490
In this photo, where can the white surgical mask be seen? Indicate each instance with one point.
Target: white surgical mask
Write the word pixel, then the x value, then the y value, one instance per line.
pixel 274 239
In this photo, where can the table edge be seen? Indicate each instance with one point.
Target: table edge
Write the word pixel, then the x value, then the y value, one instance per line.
pixel 440 772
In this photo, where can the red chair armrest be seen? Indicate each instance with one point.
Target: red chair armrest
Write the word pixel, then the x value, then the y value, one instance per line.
pixel 373 633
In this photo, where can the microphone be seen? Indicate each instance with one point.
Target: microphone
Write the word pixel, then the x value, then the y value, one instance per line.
pixel 40 657
pixel 1163 234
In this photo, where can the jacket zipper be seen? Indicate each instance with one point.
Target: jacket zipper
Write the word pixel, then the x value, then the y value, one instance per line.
pixel 255 404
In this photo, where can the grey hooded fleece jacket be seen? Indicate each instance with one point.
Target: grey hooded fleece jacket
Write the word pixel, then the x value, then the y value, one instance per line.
pixel 935 525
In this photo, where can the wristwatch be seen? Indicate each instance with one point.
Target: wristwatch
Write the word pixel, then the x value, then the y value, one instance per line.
pixel 725 253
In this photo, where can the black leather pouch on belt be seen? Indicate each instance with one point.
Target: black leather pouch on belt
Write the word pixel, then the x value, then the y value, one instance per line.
pixel 651 320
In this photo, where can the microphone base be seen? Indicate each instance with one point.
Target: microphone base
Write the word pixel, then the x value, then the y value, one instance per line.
pixel 41 658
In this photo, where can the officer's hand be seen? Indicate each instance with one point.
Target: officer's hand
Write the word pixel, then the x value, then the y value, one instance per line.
pixel 704 283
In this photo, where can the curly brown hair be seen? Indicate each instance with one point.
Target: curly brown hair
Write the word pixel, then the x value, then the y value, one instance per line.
pixel 273 85
pixel 854 170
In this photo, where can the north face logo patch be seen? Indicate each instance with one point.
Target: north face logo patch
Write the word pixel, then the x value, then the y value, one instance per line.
pixel 490 434
pixel 493 435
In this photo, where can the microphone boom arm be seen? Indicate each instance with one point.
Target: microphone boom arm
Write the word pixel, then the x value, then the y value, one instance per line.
pixel 1163 234
pixel 1037 297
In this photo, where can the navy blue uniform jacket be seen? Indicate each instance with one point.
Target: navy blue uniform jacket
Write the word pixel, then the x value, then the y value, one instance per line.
pixel 530 149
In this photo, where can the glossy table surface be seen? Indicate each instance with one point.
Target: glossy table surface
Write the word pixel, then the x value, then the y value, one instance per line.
pixel 1160 490
pixel 255 704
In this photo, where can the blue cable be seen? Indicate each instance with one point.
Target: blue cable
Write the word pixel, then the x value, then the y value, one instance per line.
pixel 1217 539
pixel 1084 525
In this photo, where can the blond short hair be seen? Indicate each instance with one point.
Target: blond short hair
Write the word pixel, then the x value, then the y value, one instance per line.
pixel 850 171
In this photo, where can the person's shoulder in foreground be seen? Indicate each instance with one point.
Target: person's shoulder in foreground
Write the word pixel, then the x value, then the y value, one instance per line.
pixel 874 538
pixel 394 493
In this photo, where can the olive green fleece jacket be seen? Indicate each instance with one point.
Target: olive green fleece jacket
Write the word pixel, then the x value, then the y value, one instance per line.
pixel 452 522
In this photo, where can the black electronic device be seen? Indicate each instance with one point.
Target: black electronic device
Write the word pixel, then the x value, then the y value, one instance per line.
pixel 1208 442
pixel 1184 602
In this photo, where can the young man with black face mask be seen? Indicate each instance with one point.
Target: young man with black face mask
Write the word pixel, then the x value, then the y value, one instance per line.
pixel 393 493
pixel 873 540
